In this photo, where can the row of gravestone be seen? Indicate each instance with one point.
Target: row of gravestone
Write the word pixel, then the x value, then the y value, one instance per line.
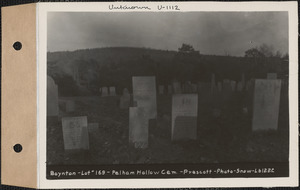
pixel 184 112
pixel 111 91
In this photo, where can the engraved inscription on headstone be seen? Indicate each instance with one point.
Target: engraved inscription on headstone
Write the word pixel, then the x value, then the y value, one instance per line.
pixel 112 91
pixel 271 75
pixel 125 99
pixel 184 116
pixel 75 133
pixel 144 93
pixel 52 97
pixel 266 104
pixel 138 127
pixel 104 91
pixel 177 88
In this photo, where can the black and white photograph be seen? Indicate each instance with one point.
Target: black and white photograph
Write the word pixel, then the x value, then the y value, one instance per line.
pixel 184 94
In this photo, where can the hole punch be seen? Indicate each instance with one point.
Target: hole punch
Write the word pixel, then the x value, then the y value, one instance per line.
pixel 17 46
pixel 18 148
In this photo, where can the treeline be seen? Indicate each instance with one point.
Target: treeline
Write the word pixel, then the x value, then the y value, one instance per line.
pixel 83 72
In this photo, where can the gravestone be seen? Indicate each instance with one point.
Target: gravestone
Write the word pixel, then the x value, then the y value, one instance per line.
pixel 93 127
pixel 233 85
pixel 112 91
pixel 177 88
pixel 70 106
pixel 52 97
pixel 125 99
pixel 104 91
pixel 266 104
pixel 75 133
pixel 161 89
pixel 271 75
pixel 138 127
pixel 170 89
pixel 144 93
pixel 220 86
pixel 184 116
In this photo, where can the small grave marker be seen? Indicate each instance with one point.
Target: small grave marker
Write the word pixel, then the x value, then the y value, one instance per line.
pixel 75 133
pixel 125 99
pixel 112 91
pixel 104 91
pixel 138 127
pixel 184 116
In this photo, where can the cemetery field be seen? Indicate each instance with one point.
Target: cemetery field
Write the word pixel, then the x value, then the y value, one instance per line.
pixel 224 133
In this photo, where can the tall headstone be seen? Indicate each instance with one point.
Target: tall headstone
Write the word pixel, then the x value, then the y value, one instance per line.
pixel 125 99
pixel 177 88
pixel 144 93
pixel 70 106
pixel 52 97
pixel 104 91
pixel 266 104
pixel 75 133
pixel 161 89
pixel 271 75
pixel 112 91
pixel 184 116
pixel 170 91
pixel 138 127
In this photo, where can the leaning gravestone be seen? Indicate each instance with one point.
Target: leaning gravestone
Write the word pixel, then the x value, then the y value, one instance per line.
pixel 184 116
pixel 144 94
pixel 75 133
pixel 271 75
pixel 161 89
pixel 138 127
pixel 266 104
pixel 70 106
pixel 125 99
pixel 112 91
pixel 177 88
pixel 52 97
pixel 104 91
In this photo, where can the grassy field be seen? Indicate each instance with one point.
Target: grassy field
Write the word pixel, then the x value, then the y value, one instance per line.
pixel 223 133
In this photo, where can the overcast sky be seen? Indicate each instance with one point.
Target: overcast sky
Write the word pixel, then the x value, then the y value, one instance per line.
pixel 208 32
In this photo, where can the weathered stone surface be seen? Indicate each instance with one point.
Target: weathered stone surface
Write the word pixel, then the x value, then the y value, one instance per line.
pixel 144 93
pixel 266 104
pixel 184 116
pixel 75 133
pixel 138 127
